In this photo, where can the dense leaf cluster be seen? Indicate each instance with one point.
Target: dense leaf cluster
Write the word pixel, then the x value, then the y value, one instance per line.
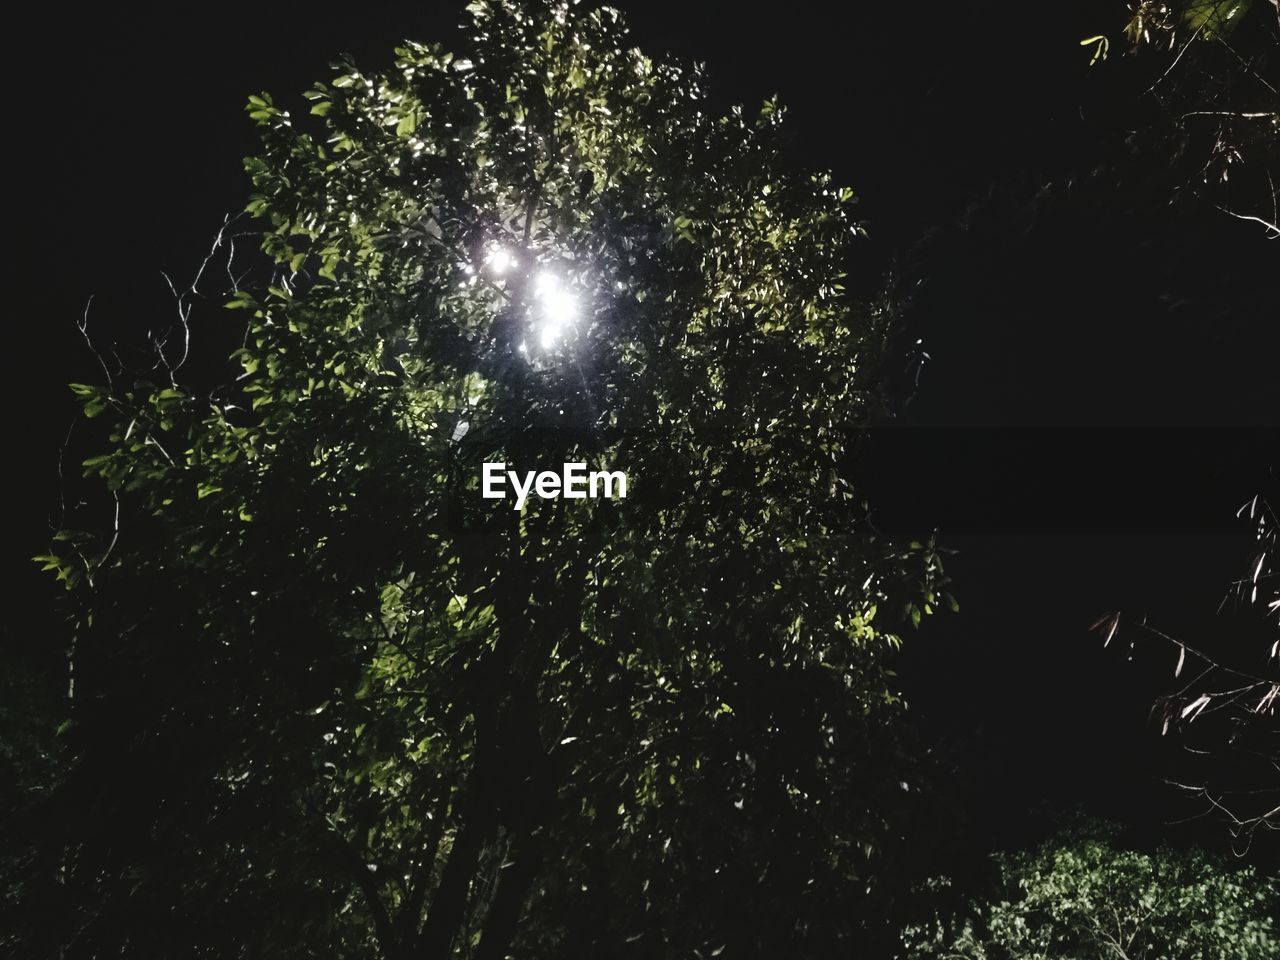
pixel 330 702
pixel 1083 895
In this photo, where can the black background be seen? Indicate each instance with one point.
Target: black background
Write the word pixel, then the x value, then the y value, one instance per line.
pixel 1092 358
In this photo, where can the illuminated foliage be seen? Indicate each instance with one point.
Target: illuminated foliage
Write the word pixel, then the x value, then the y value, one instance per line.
pixel 333 703
pixel 1082 896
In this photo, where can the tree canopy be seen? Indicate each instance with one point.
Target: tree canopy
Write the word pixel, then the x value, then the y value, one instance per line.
pixel 1083 894
pixel 328 700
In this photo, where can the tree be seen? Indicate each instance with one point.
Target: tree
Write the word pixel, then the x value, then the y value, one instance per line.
pixel 330 700
pixel 1204 71
pixel 1223 708
pixel 1082 895
pixel 1204 68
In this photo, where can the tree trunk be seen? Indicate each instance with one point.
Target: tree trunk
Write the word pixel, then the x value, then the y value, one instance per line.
pixel 508 904
pixel 449 905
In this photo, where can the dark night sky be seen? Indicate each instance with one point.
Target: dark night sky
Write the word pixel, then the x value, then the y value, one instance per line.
pixel 1056 345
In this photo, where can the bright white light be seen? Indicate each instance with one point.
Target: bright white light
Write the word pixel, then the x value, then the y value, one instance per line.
pixel 558 308
pixel 499 260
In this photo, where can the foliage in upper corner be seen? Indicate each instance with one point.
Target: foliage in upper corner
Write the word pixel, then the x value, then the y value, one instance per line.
pixel 1210 68
pixel 1086 896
